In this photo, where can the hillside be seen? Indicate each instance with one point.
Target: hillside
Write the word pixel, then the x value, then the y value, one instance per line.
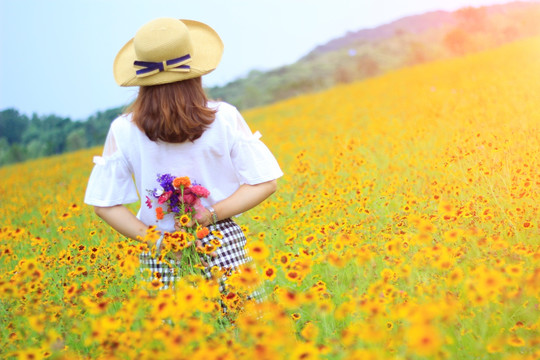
pixel 406 226
pixel 357 56
pixel 418 24
pixel 370 52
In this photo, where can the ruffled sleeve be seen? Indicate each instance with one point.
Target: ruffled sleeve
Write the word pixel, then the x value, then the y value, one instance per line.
pixel 253 161
pixel 111 182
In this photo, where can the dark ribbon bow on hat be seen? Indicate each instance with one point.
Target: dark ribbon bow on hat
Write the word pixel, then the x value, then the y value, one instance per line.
pixel 151 68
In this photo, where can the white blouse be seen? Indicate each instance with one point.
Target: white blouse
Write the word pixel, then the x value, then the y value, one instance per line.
pixel 227 155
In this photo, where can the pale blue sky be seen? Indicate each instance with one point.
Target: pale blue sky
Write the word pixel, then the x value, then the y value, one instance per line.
pixel 56 55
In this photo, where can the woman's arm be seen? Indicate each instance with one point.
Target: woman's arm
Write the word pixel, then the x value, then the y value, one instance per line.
pixel 243 199
pixel 246 197
pixel 123 220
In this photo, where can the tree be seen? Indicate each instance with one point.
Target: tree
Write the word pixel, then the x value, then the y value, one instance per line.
pixel 458 41
pixel 12 125
pixel 17 153
pixel 36 149
pixel 76 140
pixel 418 53
pixel 342 75
pixel 4 151
pixel 367 66
pixel 472 19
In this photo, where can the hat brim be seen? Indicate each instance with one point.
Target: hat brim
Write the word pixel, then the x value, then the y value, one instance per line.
pixel 207 52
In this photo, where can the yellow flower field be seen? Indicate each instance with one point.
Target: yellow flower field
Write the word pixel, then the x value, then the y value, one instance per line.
pixel 407 226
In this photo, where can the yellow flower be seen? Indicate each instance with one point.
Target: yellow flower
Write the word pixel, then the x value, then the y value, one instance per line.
pixel 515 270
pixel 310 239
pixel 304 351
pixel 309 331
pixel 454 277
pixel 515 341
pixel 257 250
pixel 424 340
pixel 289 298
pixel 269 272
pixel 184 220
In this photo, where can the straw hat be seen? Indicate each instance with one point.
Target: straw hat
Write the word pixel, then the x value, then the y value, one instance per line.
pixel 167 50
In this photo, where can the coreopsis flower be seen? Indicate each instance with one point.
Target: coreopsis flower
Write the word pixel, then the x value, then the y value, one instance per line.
pixel 184 220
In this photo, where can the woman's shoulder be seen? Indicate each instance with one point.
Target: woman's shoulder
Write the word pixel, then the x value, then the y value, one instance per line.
pixel 122 123
pixel 227 115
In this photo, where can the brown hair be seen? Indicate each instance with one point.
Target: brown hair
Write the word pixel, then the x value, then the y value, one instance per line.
pixel 173 112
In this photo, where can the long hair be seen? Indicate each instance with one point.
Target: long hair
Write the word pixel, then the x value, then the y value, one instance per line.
pixel 174 112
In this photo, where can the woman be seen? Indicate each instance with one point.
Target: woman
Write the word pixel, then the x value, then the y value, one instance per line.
pixel 172 128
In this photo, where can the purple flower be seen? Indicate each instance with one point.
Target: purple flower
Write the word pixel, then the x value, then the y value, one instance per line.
pixel 166 181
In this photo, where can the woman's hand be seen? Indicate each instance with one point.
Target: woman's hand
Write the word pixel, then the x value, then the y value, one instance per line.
pixel 200 248
pixel 123 220
pixel 202 216
pixel 198 243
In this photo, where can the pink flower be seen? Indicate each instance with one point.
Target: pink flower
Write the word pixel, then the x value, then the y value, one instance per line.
pixel 189 198
pixel 148 202
pixel 166 196
pixel 200 191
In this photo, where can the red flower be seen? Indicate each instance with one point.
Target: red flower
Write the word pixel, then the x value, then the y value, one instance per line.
pixel 164 197
pixel 189 197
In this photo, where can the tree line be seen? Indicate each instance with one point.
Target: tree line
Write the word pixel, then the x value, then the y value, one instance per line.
pixel 23 138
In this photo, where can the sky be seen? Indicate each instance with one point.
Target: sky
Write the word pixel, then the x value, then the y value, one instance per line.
pixel 56 56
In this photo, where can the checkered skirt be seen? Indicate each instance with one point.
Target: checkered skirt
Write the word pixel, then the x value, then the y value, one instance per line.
pixel 230 255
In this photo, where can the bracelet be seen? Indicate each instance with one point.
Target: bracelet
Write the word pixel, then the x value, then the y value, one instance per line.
pixel 213 213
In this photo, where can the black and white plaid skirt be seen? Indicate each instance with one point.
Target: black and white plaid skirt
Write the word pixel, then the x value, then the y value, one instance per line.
pixel 230 256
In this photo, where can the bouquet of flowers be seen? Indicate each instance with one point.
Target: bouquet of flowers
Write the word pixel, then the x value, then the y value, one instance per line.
pixel 181 197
